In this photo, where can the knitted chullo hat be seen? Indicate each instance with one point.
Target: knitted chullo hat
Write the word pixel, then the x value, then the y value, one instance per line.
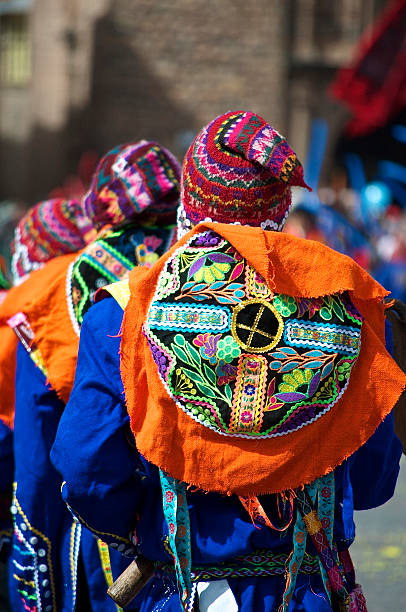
pixel 131 179
pixel 49 229
pixel 239 169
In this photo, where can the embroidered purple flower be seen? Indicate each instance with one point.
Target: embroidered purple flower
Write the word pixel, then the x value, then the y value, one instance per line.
pixel 208 345
pixel 326 492
pixel 225 372
pixel 246 417
pixel 249 389
pixel 159 358
pixel 207 239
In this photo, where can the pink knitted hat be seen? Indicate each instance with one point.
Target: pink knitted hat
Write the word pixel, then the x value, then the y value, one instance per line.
pixel 239 169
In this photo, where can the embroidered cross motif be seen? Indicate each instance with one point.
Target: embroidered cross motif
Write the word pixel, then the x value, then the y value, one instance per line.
pixel 256 325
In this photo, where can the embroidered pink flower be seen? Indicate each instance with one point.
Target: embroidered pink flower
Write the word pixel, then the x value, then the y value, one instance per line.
pixel 246 417
pixel 169 497
pixel 171 528
pixel 208 345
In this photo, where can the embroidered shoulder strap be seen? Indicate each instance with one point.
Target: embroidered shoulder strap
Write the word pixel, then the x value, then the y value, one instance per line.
pixel 120 291
pixel 22 329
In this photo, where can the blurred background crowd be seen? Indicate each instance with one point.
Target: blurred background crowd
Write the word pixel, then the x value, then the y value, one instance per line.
pixel 79 77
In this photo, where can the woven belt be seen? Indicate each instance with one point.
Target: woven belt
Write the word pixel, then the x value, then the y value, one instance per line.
pixel 258 563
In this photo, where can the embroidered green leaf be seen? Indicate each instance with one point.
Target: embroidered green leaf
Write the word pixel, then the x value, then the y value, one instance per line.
pixel 208 391
pixel 179 339
pixel 193 376
pixel 338 310
pixel 228 392
pixel 180 353
pixel 210 375
pixel 194 353
pixel 325 314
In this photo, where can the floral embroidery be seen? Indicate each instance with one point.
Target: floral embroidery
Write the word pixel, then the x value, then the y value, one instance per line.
pixel 146 253
pixel 217 270
pixel 208 345
pixel 109 259
pixel 297 379
pixel 238 362
pixel 225 372
pixel 228 349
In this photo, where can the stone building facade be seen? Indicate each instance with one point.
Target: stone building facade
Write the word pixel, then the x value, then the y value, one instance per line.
pixel 107 71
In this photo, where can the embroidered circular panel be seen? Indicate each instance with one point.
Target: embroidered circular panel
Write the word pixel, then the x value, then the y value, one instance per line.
pixel 239 359
pixel 109 259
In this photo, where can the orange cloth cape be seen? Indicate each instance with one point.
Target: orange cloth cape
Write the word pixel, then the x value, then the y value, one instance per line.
pixel 24 298
pixel 176 443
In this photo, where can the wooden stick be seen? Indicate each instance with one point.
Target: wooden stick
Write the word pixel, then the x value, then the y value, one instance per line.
pixel 131 581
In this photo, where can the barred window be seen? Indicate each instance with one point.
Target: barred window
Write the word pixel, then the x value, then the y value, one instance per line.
pixel 15 49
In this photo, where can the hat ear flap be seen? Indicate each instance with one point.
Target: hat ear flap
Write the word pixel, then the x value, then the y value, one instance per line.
pixel 256 141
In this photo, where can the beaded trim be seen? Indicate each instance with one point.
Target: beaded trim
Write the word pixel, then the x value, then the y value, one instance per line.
pixel 32 563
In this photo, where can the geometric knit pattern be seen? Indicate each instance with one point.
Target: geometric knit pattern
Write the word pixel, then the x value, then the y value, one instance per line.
pixel 130 179
pixel 48 229
pixel 240 169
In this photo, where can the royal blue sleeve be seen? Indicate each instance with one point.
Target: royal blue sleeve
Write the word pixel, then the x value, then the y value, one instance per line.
pixel 6 458
pixel 92 449
pixel 375 466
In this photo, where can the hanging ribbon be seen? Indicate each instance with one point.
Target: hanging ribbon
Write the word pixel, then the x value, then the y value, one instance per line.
pixel 176 514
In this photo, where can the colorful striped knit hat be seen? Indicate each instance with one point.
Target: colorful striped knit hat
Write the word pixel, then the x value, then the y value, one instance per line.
pixel 239 170
pixel 131 179
pixel 50 228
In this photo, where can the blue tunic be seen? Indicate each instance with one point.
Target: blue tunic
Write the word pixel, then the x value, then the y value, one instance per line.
pixel 46 540
pixel 113 489
pixel 6 481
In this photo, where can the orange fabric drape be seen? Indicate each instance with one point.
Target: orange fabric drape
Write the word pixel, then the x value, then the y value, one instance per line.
pixel 173 441
pixel 20 299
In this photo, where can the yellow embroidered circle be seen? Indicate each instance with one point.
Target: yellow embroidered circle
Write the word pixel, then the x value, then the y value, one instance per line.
pixel 256 325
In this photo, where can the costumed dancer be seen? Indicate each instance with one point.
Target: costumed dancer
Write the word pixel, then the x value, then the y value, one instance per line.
pixel 132 204
pixel 259 419
pixel 51 229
